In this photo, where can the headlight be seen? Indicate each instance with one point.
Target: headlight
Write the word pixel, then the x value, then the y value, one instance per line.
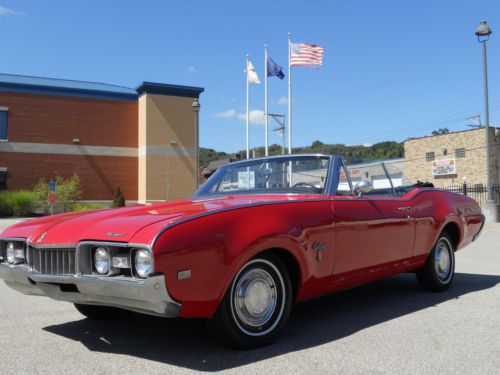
pixel 143 263
pixel 11 253
pixel 101 260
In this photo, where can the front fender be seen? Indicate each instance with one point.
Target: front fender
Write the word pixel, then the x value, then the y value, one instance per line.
pixel 215 247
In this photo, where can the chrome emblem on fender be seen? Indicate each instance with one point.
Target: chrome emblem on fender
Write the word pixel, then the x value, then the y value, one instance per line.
pixel 113 234
pixel 40 239
pixel 318 246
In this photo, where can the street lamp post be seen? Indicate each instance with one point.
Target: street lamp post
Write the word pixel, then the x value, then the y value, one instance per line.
pixel 483 33
pixel 196 109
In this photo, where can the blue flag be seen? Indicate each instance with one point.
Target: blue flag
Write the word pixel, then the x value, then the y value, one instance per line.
pixel 274 69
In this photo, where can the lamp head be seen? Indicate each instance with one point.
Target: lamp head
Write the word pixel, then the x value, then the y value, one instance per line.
pixel 483 31
pixel 196 105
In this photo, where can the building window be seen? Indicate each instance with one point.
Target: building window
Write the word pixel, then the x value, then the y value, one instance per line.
pixel 3 180
pixel 429 156
pixel 3 124
pixel 460 152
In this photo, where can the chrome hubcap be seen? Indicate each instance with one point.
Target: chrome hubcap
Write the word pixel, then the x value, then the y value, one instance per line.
pixel 255 297
pixel 442 261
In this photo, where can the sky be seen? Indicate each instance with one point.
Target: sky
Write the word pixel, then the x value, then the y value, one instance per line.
pixel 392 69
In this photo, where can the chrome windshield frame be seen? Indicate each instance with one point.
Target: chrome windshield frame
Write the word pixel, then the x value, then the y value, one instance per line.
pixel 331 182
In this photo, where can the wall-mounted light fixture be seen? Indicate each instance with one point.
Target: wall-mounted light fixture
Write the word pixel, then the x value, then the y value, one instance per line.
pixel 76 140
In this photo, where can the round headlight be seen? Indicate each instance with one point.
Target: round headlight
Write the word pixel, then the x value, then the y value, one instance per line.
pixel 101 260
pixel 11 253
pixel 143 262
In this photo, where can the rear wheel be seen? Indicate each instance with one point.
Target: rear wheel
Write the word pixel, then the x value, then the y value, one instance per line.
pixel 257 305
pixel 98 312
pixel 437 273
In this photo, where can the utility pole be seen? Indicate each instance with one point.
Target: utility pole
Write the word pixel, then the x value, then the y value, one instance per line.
pixel 280 119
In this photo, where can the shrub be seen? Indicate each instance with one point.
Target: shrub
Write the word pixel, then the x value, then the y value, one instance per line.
pixel 118 199
pixel 41 193
pixel 86 206
pixel 67 192
pixel 17 203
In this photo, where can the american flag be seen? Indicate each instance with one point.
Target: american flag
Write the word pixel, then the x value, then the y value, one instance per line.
pixel 306 54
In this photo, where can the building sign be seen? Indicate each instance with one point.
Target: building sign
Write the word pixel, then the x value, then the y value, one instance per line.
pixel 444 167
pixel 246 180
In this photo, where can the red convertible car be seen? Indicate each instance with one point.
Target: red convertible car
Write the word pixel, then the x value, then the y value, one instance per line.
pixel 258 236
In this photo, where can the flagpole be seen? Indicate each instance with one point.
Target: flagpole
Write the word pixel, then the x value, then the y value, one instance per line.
pixel 289 94
pixel 290 179
pixel 266 117
pixel 248 111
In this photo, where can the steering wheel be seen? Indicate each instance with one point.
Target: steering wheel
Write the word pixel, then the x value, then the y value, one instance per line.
pixel 305 184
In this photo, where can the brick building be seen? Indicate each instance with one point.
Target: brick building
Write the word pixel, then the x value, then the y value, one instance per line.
pixel 450 159
pixel 143 140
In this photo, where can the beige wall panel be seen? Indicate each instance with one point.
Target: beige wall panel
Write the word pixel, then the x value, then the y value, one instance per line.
pixel 166 168
pixel 170 118
pixel 472 166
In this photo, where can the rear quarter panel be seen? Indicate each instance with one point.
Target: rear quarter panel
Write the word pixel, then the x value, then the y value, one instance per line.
pixel 435 209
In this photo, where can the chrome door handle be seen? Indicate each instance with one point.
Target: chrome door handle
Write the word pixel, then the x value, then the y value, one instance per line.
pixel 407 209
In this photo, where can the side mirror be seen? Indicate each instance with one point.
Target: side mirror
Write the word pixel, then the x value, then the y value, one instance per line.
pixel 362 187
pixel 266 172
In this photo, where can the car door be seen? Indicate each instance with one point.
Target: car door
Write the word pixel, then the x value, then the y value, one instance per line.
pixel 372 232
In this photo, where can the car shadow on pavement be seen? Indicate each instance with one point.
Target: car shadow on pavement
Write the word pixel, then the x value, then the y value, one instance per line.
pixel 187 342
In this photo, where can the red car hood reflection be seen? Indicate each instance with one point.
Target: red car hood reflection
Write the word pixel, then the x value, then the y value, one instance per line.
pixel 121 224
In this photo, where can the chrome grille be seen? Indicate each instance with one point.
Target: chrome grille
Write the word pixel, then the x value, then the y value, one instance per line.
pixel 52 261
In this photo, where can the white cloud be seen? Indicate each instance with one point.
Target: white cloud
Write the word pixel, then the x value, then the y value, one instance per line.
pixel 191 70
pixel 256 117
pixel 368 144
pixel 283 100
pixel 227 114
pixel 9 12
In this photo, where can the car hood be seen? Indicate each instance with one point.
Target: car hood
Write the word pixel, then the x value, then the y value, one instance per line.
pixel 124 224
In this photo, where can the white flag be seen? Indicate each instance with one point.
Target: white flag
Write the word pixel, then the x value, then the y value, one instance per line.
pixel 252 74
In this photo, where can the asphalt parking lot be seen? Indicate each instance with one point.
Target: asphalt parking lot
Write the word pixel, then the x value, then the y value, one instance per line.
pixel 391 326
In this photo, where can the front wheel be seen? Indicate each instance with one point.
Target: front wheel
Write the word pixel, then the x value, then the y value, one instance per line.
pixel 257 305
pixel 437 273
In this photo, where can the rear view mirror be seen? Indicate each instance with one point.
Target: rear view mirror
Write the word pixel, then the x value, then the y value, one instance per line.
pixel 362 187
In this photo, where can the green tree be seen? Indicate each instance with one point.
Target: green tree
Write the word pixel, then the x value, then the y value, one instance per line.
pixel 67 191
pixel 441 131
pixel 118 199
pixel 317 144
pixel 41 193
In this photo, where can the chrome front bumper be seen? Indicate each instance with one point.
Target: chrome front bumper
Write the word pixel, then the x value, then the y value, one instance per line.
pixel 148 296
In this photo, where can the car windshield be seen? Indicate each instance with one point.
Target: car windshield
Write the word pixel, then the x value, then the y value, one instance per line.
pixel 287 174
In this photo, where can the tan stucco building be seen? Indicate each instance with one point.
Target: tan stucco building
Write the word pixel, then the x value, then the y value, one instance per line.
pixel 142 139
pixel 450 159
